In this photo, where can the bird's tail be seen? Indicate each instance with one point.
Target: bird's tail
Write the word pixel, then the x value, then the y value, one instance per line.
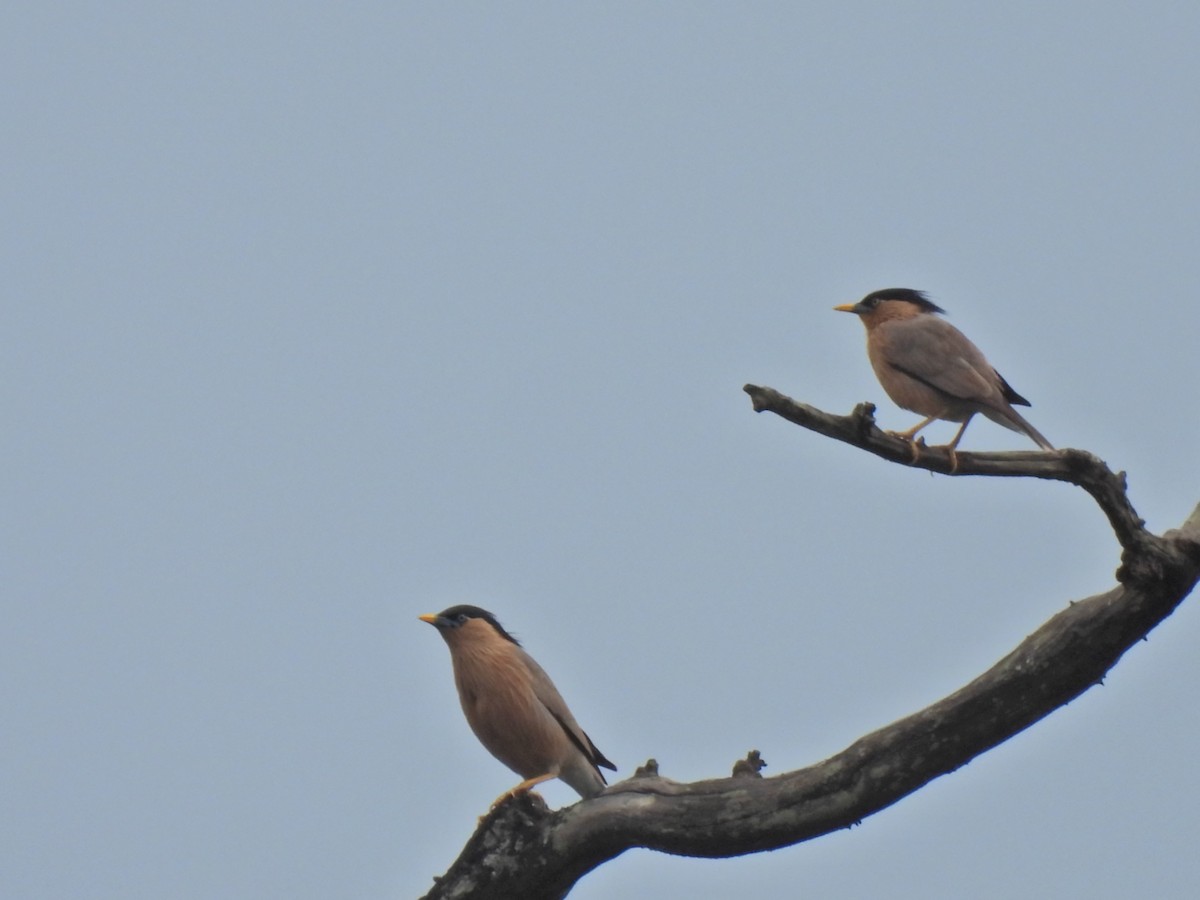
pixel 1010 418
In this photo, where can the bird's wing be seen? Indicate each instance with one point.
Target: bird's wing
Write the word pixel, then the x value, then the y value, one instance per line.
pixel 551 699
pixel 934 351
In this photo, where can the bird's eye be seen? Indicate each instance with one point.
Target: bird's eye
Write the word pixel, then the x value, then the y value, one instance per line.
pixel 461 618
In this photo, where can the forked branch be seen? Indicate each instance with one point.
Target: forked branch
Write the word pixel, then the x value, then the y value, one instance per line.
pixel 524 850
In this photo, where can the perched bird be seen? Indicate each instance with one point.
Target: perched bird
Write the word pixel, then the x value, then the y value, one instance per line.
pixel 929 367
pixel 513 707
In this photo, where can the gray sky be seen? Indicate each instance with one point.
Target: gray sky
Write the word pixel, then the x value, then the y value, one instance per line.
pixel 321 317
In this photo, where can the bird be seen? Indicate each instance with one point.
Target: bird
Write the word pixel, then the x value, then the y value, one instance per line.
pixel 929 367
pixel 514 708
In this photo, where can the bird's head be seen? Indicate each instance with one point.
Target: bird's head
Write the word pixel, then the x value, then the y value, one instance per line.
pixel 890 303
pixel 465 623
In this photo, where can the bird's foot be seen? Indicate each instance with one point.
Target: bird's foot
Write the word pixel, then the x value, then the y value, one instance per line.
pixel 915 443
pixel 505 797
pixel 524 787
pixel 508 795
pixel 950 451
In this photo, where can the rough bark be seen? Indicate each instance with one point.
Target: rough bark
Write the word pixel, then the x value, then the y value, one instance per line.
pixel 522 849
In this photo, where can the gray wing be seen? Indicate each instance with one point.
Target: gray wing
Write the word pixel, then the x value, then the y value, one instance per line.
pixel 935 352
pixel 551 699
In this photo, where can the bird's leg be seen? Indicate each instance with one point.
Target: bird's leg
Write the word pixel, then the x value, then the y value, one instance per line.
pixel 954 443
pixel 912 432
pixel 525 786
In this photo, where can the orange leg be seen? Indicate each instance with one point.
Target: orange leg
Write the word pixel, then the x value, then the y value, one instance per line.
pixel 912 432
pixel 954 443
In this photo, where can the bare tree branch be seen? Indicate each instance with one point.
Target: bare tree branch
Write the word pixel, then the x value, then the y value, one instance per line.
pixel 1076 467
pixel 522 849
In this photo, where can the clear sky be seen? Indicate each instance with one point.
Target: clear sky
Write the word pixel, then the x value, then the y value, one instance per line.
pixel 321 316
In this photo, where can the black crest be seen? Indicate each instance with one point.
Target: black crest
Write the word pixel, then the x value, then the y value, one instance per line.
pixel 455 616
pixel 905 295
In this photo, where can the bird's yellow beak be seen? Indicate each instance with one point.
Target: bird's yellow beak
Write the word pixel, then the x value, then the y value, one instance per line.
pixel 845 307
pixel 431 618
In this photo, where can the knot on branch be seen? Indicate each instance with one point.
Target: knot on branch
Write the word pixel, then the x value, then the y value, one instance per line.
pixel 649 770
pixel 1149 560
pixel 863 418
pixel 750 767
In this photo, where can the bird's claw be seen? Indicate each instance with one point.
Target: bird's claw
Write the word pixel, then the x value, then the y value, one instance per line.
pixel 509 795
pixel 914 443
